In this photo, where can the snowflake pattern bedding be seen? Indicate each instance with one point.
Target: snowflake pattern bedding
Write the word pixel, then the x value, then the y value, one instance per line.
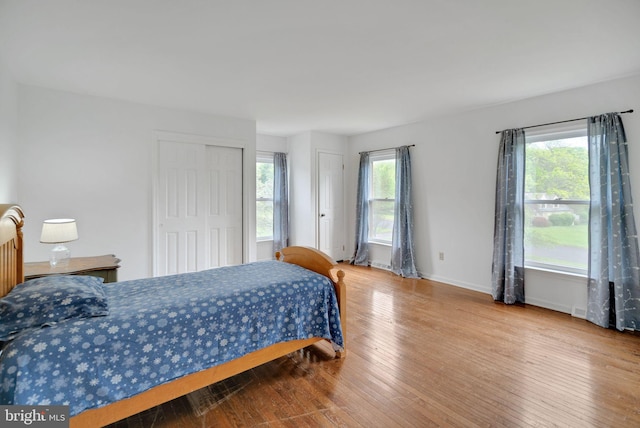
pixel 160 329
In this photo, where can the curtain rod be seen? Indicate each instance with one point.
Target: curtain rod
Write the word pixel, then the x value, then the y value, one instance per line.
pixel 379 150
pixel 564 121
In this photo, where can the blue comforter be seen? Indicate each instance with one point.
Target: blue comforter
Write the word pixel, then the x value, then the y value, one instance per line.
pixel 160 329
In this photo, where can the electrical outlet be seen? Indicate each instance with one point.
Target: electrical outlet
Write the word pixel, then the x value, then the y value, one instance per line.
pixel 441 255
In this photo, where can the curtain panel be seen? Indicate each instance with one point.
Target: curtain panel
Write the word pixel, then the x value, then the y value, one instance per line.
pixel 361 254
pixel 402 249
pixel 508 236
pixel 280 202
pixel 614 261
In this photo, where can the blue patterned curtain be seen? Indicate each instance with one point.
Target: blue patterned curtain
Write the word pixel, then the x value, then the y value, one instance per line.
pixel 508 234
pixel 361 253
pixel 614 262
pixel 280 202
pixel 402 253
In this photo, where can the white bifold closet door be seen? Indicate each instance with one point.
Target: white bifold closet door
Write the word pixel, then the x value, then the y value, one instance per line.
pixel 199 207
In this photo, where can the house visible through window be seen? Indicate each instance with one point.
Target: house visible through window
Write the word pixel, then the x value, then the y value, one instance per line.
pixel 264 197
pixel 557 199
pixel 382 196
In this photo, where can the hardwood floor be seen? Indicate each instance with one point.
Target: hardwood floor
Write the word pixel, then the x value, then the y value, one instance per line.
pixel 421 354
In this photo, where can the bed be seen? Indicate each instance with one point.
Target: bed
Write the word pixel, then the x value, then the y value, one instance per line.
pixel 127 346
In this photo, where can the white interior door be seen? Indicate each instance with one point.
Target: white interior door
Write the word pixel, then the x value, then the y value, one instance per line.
pixel 331 224
pixel 198 207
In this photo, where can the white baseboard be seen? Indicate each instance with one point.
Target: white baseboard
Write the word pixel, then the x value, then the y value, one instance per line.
pixel 380 266
pixel 548 305
pixel 579 312
pixel 461 284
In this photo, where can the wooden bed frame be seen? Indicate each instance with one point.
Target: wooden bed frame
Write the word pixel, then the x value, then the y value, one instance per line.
pixel 12 273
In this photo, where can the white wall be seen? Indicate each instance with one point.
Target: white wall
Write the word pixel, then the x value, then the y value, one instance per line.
pixel 303 152
pixel 454 172
pixel 301 214
pixel 268 144
pixel 8 138
pixel 271 143
pixel 90 158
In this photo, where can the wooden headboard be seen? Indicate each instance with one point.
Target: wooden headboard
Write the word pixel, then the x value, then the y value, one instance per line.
pixel 11 247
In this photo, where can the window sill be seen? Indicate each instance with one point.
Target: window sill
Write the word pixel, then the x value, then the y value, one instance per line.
pixel 556 272
pixel 382 244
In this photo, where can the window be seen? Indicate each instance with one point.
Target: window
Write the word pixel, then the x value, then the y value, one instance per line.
pixel 264 197
pixel 382 197
pixel 557 200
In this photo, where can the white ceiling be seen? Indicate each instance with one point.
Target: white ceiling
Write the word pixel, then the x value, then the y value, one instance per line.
pixel 340 66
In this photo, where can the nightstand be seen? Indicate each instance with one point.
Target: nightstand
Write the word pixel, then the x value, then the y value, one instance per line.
pixel 101 266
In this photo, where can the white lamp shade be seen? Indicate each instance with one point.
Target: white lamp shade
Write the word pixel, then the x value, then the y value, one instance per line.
pixel 57 230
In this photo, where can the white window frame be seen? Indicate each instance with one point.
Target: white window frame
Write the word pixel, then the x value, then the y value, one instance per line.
pixel 378 156
pixel 550 133
pixel 262 157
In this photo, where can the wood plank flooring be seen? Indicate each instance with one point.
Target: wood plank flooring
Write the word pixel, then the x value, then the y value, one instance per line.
pixel 421 354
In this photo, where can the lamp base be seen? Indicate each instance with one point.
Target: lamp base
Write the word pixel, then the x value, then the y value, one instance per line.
pixel 59 257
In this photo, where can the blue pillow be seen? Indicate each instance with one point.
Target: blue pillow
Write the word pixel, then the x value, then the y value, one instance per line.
pixel 45 301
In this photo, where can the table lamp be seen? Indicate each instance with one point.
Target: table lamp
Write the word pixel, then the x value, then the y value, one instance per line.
pixel 58 231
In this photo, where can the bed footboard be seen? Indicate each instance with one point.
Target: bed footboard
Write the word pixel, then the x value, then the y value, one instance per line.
pixel 319 262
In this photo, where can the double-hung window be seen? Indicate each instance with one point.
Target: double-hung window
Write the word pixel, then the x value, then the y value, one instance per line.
pixel 264 197
pixel 382 195
pixel 557 199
